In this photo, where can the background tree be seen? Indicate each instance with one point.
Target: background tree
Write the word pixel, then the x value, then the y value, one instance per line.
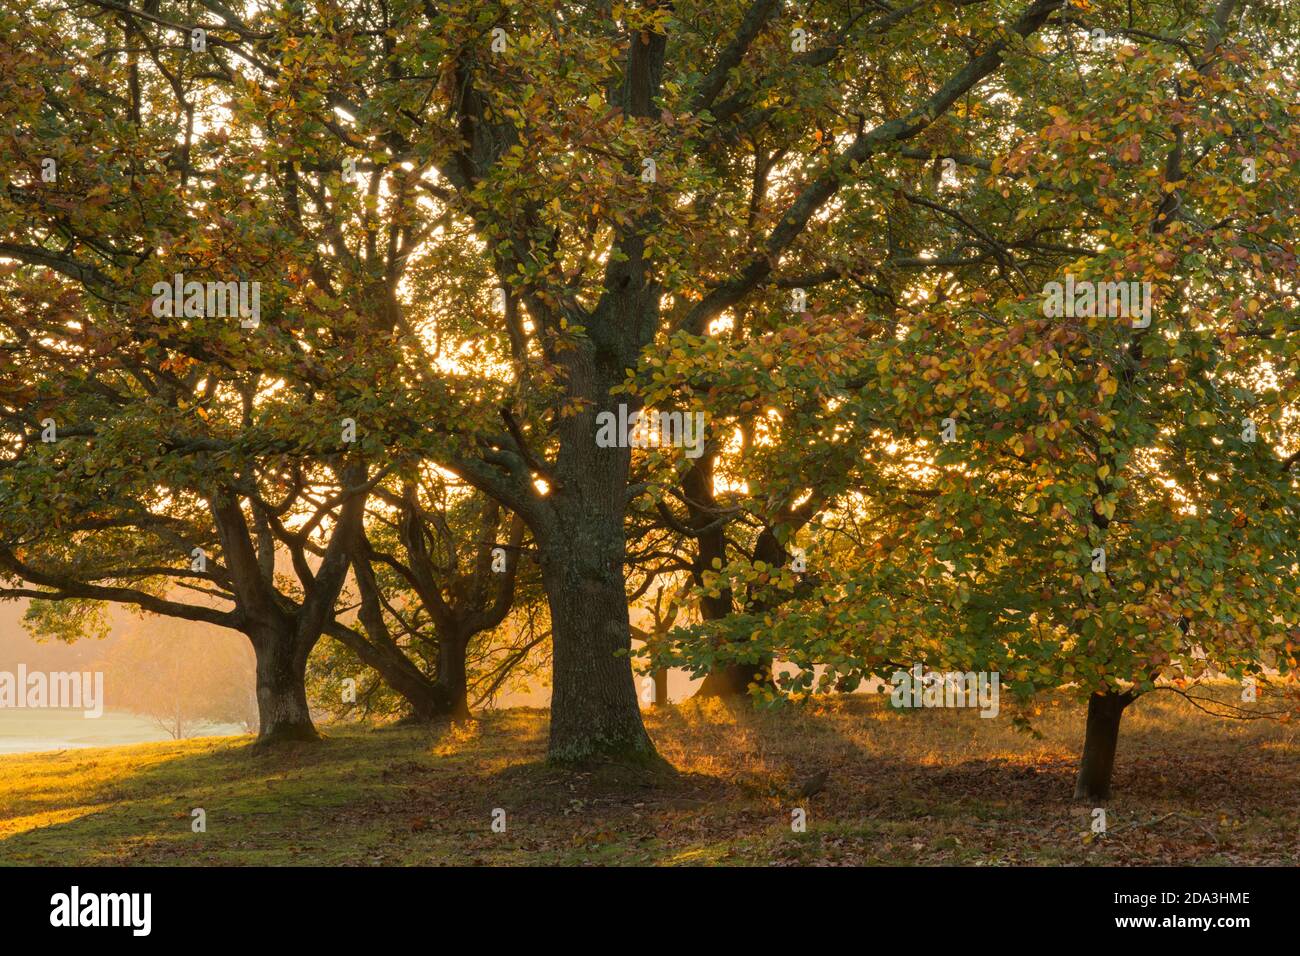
pixel 437 573
pixel 185 679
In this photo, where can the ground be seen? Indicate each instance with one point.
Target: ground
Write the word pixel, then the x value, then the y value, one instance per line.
pixel 904 787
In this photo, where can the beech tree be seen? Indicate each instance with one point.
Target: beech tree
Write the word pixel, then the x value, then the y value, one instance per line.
pixel 130 505
pixel 437 572
pixel 617 111
pixel 779 457
pixel 153 447
pixel 1082 494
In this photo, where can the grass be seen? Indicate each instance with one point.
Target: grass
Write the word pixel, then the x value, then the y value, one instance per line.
pixel 911 787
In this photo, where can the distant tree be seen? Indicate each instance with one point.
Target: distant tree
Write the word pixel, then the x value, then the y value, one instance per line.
pixel 186 677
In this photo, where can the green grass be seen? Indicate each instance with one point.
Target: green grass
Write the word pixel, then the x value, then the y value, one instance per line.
pixel 922 787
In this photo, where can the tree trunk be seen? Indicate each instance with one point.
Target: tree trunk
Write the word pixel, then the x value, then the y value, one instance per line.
pixel 594 711
pixel 426 700
pixel 733 680
pixel 452 686
pixel 282 709
pixel 1100 741
pixel 725 680
pixel 661 687
pixel 582 546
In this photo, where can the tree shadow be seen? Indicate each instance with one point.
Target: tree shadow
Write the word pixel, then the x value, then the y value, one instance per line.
pixel 432 795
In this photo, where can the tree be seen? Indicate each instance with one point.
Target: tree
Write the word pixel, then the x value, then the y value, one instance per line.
pixel 580 104
pixel 134 438
pixel 1082 496
pixel 151 440
pixel 186 680
pixel 438 573
pixel 776 461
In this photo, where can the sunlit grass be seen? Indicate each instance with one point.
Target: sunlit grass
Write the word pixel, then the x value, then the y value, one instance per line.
pixel 922 787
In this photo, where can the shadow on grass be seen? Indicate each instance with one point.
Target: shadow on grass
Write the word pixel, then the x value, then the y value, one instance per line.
pixel 920 787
